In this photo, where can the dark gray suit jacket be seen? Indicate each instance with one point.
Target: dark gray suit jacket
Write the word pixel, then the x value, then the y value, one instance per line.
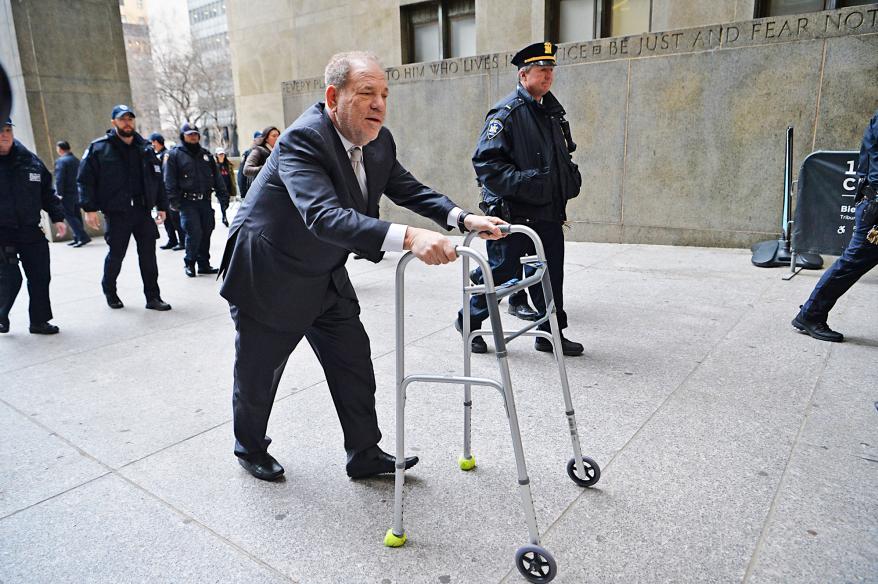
pixel 304 214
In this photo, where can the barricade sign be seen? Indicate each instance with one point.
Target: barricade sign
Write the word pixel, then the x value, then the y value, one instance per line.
pixel 824 218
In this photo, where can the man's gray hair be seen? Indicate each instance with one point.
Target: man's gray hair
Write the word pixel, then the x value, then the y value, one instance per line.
pixel 339 67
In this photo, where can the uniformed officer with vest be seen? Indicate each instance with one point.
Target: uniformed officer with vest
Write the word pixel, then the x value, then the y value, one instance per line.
pixel 25 188
pixel 527 175
pixel 861 254
pixel 191 174
pixel 121 176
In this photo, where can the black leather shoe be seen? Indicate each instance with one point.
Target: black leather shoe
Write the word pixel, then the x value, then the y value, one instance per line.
pixel 168 245
pixel 568 347
pixel 113 300
pixel 374 461
pixel 43 328
pixel 207 269
pixel 189 270
pixel 264 467
pixel 818 330
pixel 179 247
pixel 4 325
pixel 523 311
pixel 478 344
pixel 83 242
pixel 157 304
pixel 74 242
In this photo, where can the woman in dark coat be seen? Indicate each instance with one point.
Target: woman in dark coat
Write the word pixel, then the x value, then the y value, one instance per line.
pixel 226 170
pixel 262 147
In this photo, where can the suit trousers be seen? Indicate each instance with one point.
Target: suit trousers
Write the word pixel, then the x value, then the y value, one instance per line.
pixel 504 257
pixel 34 259
pixel 859 257
pixel 197 220
pixel 73 216
pixel 121 225
pixel 342 346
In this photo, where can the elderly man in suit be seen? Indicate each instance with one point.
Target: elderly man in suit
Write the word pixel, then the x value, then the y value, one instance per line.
pixel 316 201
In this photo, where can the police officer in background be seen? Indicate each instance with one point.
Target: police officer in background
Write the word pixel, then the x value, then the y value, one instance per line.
pixel 861 254
pixel 66 168
pixel 527 175
pixel 172 218
pixel 25 188
pixel 190 176
pixel 121 176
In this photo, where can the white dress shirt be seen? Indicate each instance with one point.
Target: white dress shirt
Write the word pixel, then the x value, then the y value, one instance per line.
pixel 395 237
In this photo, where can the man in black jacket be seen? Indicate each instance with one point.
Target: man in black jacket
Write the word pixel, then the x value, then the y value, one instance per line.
pixel 25 188
pixel 190 176
pixel 172 218
pixel 66 168
pixel 527 175
pixel 121 176
pixel 243 181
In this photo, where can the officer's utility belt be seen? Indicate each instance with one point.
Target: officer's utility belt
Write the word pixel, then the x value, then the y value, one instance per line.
pixel 195 196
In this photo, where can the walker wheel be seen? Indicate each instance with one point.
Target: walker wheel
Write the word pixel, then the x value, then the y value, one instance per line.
pixel 592 472
pixel 536 564
pixel 393 540
pixel 467 463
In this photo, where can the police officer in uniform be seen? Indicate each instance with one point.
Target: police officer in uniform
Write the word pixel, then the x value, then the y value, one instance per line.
pixel 172 218
pixel 121 176
pixel 527 175
pixel 190 176
pixel 861 254
pixel 25 188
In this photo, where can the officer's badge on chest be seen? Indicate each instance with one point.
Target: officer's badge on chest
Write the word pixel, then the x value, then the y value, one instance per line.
pixel 495 126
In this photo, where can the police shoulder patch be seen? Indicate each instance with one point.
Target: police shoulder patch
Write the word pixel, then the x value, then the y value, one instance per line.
pixel 495 126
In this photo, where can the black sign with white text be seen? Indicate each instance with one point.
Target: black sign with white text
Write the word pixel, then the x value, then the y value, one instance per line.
pixel 825 202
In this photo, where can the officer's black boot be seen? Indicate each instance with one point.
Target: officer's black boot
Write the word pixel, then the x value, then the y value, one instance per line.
pixel 189 269
pixel 206 268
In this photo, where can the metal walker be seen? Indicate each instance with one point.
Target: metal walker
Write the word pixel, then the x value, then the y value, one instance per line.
pixel 533 561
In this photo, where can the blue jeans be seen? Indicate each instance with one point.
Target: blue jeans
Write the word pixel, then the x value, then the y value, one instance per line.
pixel 859 257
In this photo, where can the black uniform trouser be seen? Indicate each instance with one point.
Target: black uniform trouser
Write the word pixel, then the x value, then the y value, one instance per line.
pixel 504 257
pixel 172 227
pixel 73 216
pixel 859 257
pixel 120 226
pixel 341 344
pixel 198 222
pixel 34 258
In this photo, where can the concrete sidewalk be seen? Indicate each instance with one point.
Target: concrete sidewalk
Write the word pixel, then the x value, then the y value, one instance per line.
pixel 732 448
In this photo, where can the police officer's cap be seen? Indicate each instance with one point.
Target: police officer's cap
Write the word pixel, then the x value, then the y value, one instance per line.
pixel 8 122
pixel 539 54
pixel 156 137
pixel 120 110
pixel 256 134
pixel 188 129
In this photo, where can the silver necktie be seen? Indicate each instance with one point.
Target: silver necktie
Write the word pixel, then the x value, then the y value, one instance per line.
pixel 357 163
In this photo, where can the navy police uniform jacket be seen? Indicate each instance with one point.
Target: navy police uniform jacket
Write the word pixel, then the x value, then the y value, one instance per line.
pixel 105 179
pixel 524 158
pixel 868 163
pixel 305 212
pixel 25 189
pixel 192 172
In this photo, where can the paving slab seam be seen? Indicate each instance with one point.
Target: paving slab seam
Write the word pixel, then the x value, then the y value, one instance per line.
pixel 783 477
pixel 604 468
pixel 240 549
pixel 114 472
pixel 98 347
